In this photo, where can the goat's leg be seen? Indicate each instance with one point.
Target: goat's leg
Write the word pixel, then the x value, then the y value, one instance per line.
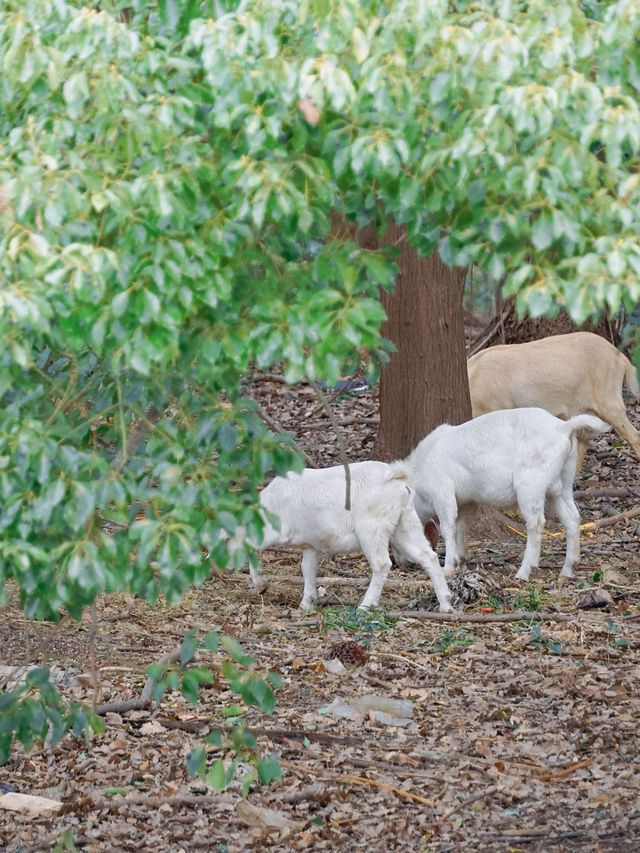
pixel 568 515
pixel 376 550
pixel 258 580
pixel 408 539
pixel 534 518
pixel 583 446
pixel 622 425
pixel 309 573
pixel 465 517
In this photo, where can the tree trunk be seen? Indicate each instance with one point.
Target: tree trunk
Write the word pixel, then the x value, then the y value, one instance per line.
pixel 425 384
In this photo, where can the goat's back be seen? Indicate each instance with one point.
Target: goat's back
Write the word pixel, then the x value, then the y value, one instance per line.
pixel 564 374
pixel 311 505
pixel 483 458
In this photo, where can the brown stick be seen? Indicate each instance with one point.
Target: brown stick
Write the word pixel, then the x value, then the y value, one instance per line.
pixel 294 734
pixel 383 786
pixel 274 426
pixel 342 423
pixel 469 801
pixel 602 492
pixel 317 791
pixel 142 701
pixel 553 775
pixel 615 519
pixel 92 654
pixel 341 445
pixel 514 616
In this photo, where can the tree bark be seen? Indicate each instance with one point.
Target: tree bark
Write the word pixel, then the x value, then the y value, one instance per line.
pixel 425 383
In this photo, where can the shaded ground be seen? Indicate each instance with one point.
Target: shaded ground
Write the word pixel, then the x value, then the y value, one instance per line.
pixel 523 737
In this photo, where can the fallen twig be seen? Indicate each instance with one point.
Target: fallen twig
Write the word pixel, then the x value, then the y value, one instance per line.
pixel 344 422
pixel 294 734
pixel 142 701
pixel 93 630
pixel 602 492
pixel 469 801
pixel 191 726
pixel 316 791
pixel 514 616
pixel 404 659
pixel 615 519
pixel 383 786
pixel 554 775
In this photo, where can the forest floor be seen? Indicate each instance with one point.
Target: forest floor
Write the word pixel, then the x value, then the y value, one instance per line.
pixel 523 735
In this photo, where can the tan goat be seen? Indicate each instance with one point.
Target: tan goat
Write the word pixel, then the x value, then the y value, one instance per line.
pixel 564 374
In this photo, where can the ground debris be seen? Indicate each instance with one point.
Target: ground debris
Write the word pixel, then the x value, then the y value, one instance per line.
pixel 523 733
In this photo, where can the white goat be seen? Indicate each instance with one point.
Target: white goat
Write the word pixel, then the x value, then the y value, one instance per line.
pixel 311 510
pixel 564 374
pixel 516 457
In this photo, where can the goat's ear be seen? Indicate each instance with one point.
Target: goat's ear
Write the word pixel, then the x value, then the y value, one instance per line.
pixel 432 532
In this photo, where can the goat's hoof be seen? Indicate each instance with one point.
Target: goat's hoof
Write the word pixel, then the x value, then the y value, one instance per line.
pixel 568 574
pixel 446 608
pixel 260 587
pixel 307 605
pixel 523 576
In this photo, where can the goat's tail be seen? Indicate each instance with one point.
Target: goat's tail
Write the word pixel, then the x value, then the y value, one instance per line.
pixel 631 378
pixel 586 426
pixel 398 471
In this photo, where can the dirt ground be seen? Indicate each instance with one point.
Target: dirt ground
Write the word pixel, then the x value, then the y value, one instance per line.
pixel 523 736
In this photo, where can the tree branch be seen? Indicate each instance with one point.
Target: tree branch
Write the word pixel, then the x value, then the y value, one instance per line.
pixel 514 616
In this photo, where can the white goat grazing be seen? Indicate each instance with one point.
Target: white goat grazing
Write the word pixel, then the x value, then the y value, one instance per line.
pixel 311 510
pixel 516 457
pixel 564 374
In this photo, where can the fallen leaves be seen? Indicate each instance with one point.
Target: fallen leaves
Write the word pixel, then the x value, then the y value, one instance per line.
pixel 518 745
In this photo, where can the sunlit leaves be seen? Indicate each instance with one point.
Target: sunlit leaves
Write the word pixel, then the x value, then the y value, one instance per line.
pixel 172 181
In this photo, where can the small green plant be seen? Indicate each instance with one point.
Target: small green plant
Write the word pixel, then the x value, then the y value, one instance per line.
pixel 615 640
pixel 449 642
pixel 364 624
pixel 495 601
pixel 530 600
pixel 65 843
pixel 543 642
pixel 35 711
pixel 253 690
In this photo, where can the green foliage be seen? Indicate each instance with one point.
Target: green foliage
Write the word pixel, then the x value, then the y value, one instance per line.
pixel 542 641
pixel 252 690
pixel 449 642
pixel 529 601
pixel 65 842
pixel 34 711
pixel 166 204
pixel 364 624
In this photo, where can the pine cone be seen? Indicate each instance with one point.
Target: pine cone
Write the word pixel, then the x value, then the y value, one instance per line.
pixel 466 587
pixel 348 651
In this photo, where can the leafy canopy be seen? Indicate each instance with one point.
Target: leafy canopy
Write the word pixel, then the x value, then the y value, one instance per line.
pixel 172 179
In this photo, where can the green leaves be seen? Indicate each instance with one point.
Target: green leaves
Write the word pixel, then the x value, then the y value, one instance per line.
pixel 34 711
pixel 179 193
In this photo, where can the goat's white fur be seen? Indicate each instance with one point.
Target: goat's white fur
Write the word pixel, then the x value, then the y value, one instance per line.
pixel 564 374
pixel 517 457
pixel 312 516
